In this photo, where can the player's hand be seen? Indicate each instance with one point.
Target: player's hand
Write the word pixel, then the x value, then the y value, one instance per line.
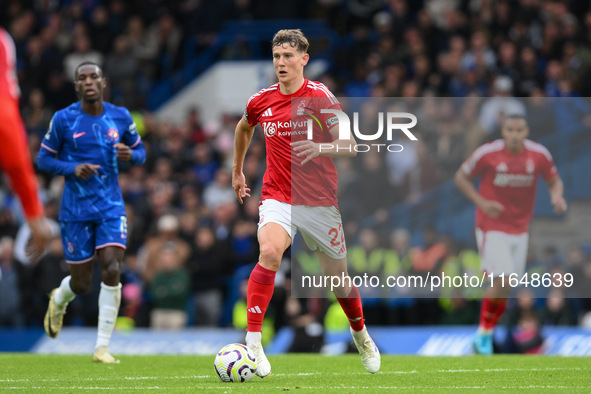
pixel 492 208
pixel 240 187
pixel 559 204
pixel 85 170
pixel 40 238
pixel 306 148
pixel 123 152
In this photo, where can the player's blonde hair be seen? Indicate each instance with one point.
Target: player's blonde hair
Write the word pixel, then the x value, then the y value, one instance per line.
pixel 293 37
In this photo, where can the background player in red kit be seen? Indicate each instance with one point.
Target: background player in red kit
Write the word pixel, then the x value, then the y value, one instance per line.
pixel 315 202
pixel 15 159
pixel 509 169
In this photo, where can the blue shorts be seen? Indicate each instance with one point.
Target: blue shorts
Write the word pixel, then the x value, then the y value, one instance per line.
pixel 81 239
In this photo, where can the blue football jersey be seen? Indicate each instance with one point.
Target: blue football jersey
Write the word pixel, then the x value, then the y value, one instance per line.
pixel 77 137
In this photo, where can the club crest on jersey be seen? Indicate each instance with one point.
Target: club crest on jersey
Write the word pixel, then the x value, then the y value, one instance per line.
pixel 270 128
pixel 113 134
pixel 71 248
pixel 301 108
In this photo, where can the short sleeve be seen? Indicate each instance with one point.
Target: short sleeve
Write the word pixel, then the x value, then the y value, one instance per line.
pixel 52 141
pixel 547 167
pixel 475 164
pixel 250 113
pixel 323 99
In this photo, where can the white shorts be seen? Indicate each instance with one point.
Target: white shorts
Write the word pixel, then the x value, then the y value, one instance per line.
pixel 502 253
pixel 321 227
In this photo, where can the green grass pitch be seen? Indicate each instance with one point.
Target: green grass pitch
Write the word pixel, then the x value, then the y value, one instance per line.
pixel 297 373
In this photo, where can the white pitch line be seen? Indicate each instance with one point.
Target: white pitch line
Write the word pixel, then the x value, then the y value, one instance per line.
pixel 225 387
pixel 159 377
pixel 352 387
pixel 532 387
pixel 110 379
pixel 64 388
pixel 510 370
pixel 268 388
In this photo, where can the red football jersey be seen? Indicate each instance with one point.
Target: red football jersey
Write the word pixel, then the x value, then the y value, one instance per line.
pixel 283 119
pixel 510 179
pixel 8 80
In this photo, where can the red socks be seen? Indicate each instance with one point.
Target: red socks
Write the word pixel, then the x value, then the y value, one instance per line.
pixel 353 309
pixel 491 311
pixel 260 291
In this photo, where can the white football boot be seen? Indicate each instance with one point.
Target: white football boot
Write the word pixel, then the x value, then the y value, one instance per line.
pixel 102 355
pixel 370 355
pixel 253 341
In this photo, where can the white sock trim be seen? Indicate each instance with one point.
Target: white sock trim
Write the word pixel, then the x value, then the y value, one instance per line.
pixel 110 288
pixel 253 337
pixel 482 330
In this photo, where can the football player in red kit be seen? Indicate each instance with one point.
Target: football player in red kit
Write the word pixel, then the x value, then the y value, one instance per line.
pixel 299 190
pixel 509 170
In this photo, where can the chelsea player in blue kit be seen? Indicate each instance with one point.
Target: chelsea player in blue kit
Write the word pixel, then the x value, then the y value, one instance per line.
pixel 84 143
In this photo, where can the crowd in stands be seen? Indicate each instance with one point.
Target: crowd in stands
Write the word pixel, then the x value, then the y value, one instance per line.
pixel 190 243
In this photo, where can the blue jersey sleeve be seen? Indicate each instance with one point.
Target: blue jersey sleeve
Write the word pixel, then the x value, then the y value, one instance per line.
pixel 132 139
pixel 50 147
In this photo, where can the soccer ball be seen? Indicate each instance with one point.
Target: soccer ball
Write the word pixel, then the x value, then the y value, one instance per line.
pixel 235 363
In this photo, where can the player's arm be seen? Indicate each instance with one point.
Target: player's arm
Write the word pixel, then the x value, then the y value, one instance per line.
pixel 242 138
pixel 47 158
pixel 556 188
pixel 131 148
pixel 47 161
pixel 464 183
pixel 135 154
pixel 339 147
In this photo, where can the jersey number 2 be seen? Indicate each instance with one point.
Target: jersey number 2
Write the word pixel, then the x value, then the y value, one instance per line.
pixel 334 233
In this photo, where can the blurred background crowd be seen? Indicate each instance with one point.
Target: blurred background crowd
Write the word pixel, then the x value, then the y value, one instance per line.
pixel 190 243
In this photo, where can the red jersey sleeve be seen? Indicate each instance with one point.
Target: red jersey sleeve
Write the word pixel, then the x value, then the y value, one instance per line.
pixel 253 108
pixel 547 167
pixel 324 99
pixel 249 113
pixel 476 163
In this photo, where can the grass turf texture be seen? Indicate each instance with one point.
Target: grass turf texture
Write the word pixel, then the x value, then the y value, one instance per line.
pixel 297 372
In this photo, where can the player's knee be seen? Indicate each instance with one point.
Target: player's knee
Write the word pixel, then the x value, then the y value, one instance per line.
pixel 270 255
pixel 111 272
pixel 81 286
